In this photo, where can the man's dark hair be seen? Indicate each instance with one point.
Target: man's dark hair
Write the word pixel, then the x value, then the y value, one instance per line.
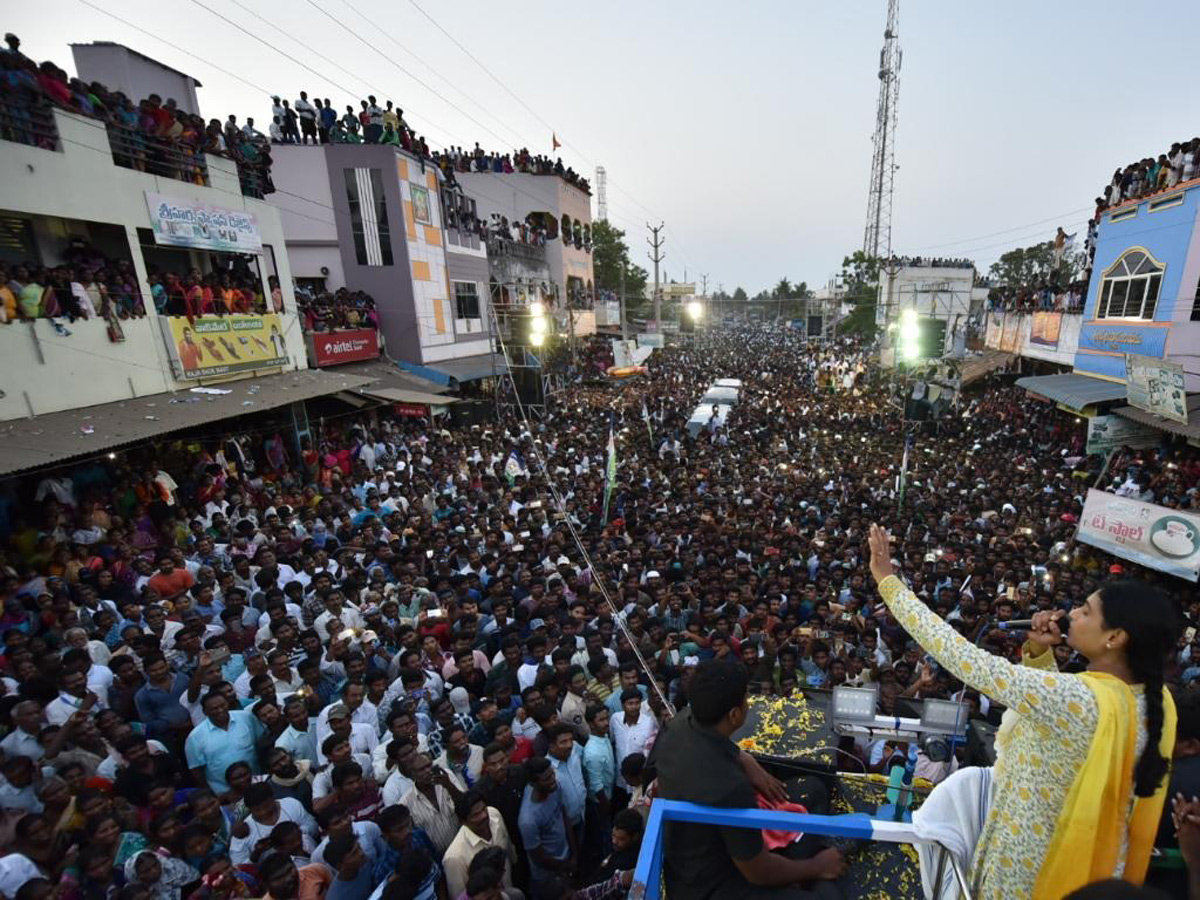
pixel 259 792
pixel 464 804
pixel 393 817
pixel 338 847
pixel 717 687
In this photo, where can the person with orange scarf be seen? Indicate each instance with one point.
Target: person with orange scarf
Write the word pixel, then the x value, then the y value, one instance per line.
pixel 1081 780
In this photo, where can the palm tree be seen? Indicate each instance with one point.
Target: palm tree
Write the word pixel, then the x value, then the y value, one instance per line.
pixel 782 291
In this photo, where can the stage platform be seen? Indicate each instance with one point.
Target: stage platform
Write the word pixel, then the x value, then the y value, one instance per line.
pixel 793 736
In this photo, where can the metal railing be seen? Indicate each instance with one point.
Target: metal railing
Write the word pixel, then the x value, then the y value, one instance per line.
pixel 133 149
pixel 29 124
pixel 647 876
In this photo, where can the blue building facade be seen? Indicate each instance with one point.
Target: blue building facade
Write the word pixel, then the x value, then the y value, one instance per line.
pixel 1143 294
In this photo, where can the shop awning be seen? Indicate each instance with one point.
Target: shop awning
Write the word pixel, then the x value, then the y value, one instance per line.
pixel 1072 390
pixel 385 373
pixel 399 395
pixel 58 437
pixel 1189 430
pixel 462 370
pixel 972 368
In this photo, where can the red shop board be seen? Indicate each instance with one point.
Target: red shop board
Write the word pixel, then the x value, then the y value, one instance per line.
pixel 333 348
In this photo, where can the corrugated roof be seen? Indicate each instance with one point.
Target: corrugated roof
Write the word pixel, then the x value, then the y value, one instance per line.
pixel 471 368
pixel 1190 430
pixel 972 368
pixel 56 437
pixel 399 395
pixel 1075 391
pixel 385 373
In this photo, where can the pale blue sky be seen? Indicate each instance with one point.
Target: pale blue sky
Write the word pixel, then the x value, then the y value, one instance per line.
pixel 745 127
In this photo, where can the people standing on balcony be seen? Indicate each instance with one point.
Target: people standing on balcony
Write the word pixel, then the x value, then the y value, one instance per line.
pixel 291 130
pixel 307 114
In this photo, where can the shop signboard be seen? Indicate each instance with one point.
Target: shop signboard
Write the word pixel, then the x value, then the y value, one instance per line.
pixel 1153 536
pixel 1156 386
pixel 1106 433
pixel 332 348
pixel 189 223
pixel 211 346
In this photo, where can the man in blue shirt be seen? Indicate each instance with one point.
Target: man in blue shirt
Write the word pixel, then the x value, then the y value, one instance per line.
pixel 223 738
pixel 157 701
pixel 566 757
pixel 548 839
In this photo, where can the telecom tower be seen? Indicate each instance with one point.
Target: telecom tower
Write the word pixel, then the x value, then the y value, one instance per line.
pixel 877 238
pixel 601 194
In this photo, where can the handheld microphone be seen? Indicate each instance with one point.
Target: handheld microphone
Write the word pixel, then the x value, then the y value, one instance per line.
pixel 1063 623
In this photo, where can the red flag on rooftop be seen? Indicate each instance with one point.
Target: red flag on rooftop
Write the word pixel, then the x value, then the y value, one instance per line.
pixel 554 142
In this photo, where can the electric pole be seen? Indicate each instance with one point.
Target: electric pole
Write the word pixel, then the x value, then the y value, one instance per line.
pixel 624 321
pixel 704 294
pixel 656 256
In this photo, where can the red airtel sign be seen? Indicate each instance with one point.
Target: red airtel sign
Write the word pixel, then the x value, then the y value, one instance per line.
pixel 337 347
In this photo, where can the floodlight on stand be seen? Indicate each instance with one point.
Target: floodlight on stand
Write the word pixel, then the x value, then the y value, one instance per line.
pixel 943 716
pixel 537 308
pixel 538 324
pixel 854 704
pixel 537 338
pixel 695 310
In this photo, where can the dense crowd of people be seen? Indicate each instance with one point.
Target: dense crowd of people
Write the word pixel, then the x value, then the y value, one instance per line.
pixel 150 135
pixel 1044 295
pixel 316 122
pixel 931 262
pixel 379 665
pixel 456 159
pixel 87 285
pixel 1149 176
pixel 225 292
pixel 336 310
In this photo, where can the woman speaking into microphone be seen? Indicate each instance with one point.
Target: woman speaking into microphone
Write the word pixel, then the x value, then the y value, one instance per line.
pixel 1081 779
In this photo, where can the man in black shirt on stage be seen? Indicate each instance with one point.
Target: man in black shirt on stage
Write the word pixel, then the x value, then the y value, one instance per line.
pixel 698 762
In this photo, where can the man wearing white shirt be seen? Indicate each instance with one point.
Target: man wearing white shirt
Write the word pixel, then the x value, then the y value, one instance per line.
pixel 335 719
pixel 73 697
pixel 337 610
pixel 265 813
pixel 23 740
pixel 633 731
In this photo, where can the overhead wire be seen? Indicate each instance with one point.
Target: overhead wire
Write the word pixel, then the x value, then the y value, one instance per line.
pixel 910 250
pixel 561 503
pixel 533 112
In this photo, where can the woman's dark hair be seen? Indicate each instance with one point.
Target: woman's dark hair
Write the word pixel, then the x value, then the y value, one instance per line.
pixel 1149 618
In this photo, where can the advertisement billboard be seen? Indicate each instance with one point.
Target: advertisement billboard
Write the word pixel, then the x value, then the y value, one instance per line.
pixel 1045 328
pixel 222 345
pixel 1107 433
pixel 1156 386
pixel 332 348
pixel 189 223
pixel 1010 339
pixel 1154 536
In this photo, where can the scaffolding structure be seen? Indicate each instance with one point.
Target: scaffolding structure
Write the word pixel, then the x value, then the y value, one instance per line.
pixel 514 306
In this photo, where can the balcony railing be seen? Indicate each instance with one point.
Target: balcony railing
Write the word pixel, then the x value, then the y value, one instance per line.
pixel 32 125
pixel 132 149
pixel 532 253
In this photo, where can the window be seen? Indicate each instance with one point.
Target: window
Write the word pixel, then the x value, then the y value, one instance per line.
pixel 1122 215
pixel 1130 287
pixel 368 217
pixel 1165 203
pixel 466 300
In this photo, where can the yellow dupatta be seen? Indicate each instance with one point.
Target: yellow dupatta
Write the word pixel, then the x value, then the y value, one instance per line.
pixel 1086 844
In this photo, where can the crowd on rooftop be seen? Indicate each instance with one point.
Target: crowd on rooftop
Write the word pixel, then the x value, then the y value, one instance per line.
pixel 1043 295
pixel 456 159
pixel 1149 176
pixel 316 121
pixel 379 665
pixel 150 135
pixel 931 262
